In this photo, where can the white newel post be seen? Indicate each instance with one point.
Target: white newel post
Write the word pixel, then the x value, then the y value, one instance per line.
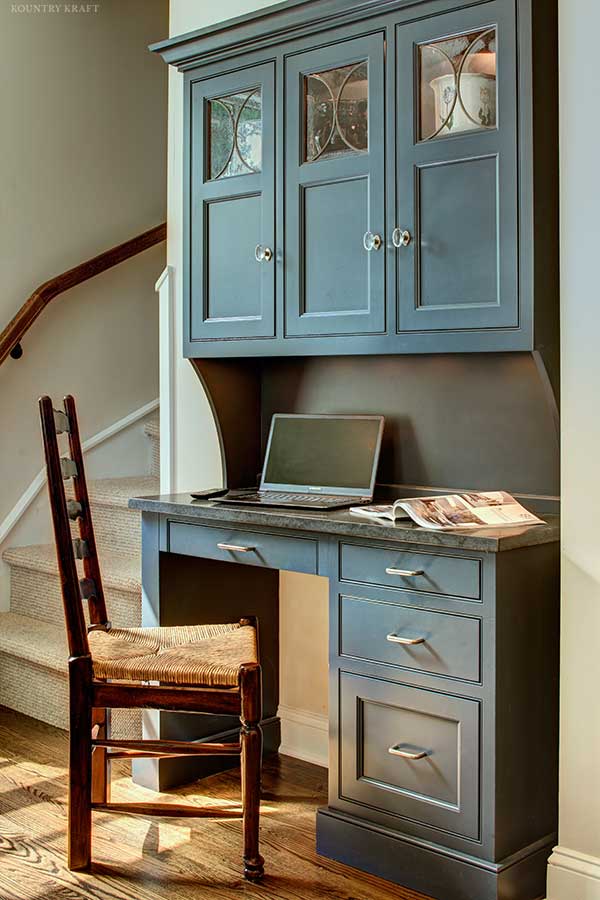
pixel 164 288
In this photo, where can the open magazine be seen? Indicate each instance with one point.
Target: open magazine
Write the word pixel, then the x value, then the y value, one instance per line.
pixel 475 509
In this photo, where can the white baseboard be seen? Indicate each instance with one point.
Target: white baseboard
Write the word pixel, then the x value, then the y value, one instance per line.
pixel 573 875
pixel 304 735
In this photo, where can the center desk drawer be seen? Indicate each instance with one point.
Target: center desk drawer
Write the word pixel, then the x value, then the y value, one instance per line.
pixel 410 638
pixel 254 548
pixel 431 573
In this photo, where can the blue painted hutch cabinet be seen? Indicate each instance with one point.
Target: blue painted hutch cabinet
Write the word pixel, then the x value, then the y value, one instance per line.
pixel 369 177
pixel 366 180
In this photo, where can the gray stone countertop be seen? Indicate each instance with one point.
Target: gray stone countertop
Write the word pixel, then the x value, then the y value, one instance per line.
pixel 347 524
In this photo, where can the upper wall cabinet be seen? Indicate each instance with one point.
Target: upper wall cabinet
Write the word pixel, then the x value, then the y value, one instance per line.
pixel 371 178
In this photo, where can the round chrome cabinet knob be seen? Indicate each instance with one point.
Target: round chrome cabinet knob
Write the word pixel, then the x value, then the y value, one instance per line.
pixel 371 241
pixel 401 237
pixel 263 254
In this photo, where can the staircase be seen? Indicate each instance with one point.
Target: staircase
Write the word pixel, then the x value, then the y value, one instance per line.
pixel 33 649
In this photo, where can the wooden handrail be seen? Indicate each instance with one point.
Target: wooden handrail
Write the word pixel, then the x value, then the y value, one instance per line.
pixel 10 338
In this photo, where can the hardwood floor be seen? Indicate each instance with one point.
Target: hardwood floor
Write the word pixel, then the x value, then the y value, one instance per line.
pixel 141 858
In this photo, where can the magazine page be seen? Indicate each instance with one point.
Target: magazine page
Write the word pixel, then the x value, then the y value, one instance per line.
pixel 471 510
pixel 380 511
pixel 499 508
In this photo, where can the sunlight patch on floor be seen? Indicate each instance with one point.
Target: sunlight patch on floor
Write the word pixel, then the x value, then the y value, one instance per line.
pixel 123 790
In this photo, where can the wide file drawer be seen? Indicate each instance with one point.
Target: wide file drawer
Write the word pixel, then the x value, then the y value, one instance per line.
pixel 413 570
pixel 413 638
pixel 274 551
pixel 410 753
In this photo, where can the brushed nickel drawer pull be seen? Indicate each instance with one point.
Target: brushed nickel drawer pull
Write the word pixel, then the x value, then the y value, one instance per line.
pixel 236 548
pixel 396 639
pixel 405 573
pixel 407 754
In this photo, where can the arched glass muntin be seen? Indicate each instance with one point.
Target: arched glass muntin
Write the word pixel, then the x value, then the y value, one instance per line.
pixel 465 93
pixel 235 134
pixel 336 111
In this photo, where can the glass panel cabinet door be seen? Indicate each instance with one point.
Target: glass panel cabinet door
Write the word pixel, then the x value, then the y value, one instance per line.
pixel 231 281
pixel 334 172
pixel 457 202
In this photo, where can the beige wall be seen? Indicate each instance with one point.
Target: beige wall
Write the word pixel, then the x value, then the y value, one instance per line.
pixel 195 446
pixel 83 168
pixel 574 872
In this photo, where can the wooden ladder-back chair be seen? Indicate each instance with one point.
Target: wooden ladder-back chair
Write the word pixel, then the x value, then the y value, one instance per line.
pixel 200 668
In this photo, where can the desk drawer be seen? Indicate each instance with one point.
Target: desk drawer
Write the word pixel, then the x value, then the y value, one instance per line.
pixel 409 637
pixel 432 573
pixel 410 753
pixel 254 548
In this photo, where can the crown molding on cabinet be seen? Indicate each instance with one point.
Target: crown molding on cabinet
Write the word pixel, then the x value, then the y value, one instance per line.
pixel 277 23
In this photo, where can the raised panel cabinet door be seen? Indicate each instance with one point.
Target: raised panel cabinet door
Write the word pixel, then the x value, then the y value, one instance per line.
pixel 457 191
pixel 231 259
pixel 410 753
pixel 334 175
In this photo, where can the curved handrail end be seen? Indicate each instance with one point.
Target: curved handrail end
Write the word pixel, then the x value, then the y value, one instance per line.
pixel 11 337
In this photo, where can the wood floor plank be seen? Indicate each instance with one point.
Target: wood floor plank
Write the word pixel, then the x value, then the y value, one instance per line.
pixel 143 858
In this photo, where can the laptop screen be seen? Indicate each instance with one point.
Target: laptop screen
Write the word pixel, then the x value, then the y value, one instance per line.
pixel 323 454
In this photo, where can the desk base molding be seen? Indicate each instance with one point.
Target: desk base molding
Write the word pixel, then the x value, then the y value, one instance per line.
pixel 436 872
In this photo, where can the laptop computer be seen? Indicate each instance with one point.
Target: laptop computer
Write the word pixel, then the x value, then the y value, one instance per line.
pixel 316 462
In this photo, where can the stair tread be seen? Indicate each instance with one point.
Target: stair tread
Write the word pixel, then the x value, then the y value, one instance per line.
pixel 34 640
pixel 119 570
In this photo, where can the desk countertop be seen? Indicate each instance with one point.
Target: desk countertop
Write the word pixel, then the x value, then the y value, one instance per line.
pixel 346 524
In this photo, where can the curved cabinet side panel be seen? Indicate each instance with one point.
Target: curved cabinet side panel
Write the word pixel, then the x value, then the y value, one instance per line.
pixel 233 390
pixel 549 377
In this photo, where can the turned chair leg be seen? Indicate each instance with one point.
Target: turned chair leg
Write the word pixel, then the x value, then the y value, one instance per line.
pixel 80 764
pixel 251 746
pixel 100 760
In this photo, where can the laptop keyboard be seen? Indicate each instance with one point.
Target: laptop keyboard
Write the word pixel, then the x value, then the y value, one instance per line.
pixel 286 497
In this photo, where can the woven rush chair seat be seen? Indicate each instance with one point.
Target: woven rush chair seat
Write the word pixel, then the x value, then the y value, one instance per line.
pixel 191 655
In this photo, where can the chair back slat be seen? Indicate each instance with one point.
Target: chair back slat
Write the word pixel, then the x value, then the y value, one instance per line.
pixel 74 617
pixel 91 566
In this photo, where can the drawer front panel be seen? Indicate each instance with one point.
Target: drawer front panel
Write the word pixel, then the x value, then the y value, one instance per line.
pixel 413 638
pixel 410 753
pixel 254 548
pixel 411 570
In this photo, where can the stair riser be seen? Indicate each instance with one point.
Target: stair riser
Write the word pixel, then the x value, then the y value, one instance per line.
pixel 155 455
pixel 117 528
pixel 44 694
pixel 37 594
pixel 34 690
